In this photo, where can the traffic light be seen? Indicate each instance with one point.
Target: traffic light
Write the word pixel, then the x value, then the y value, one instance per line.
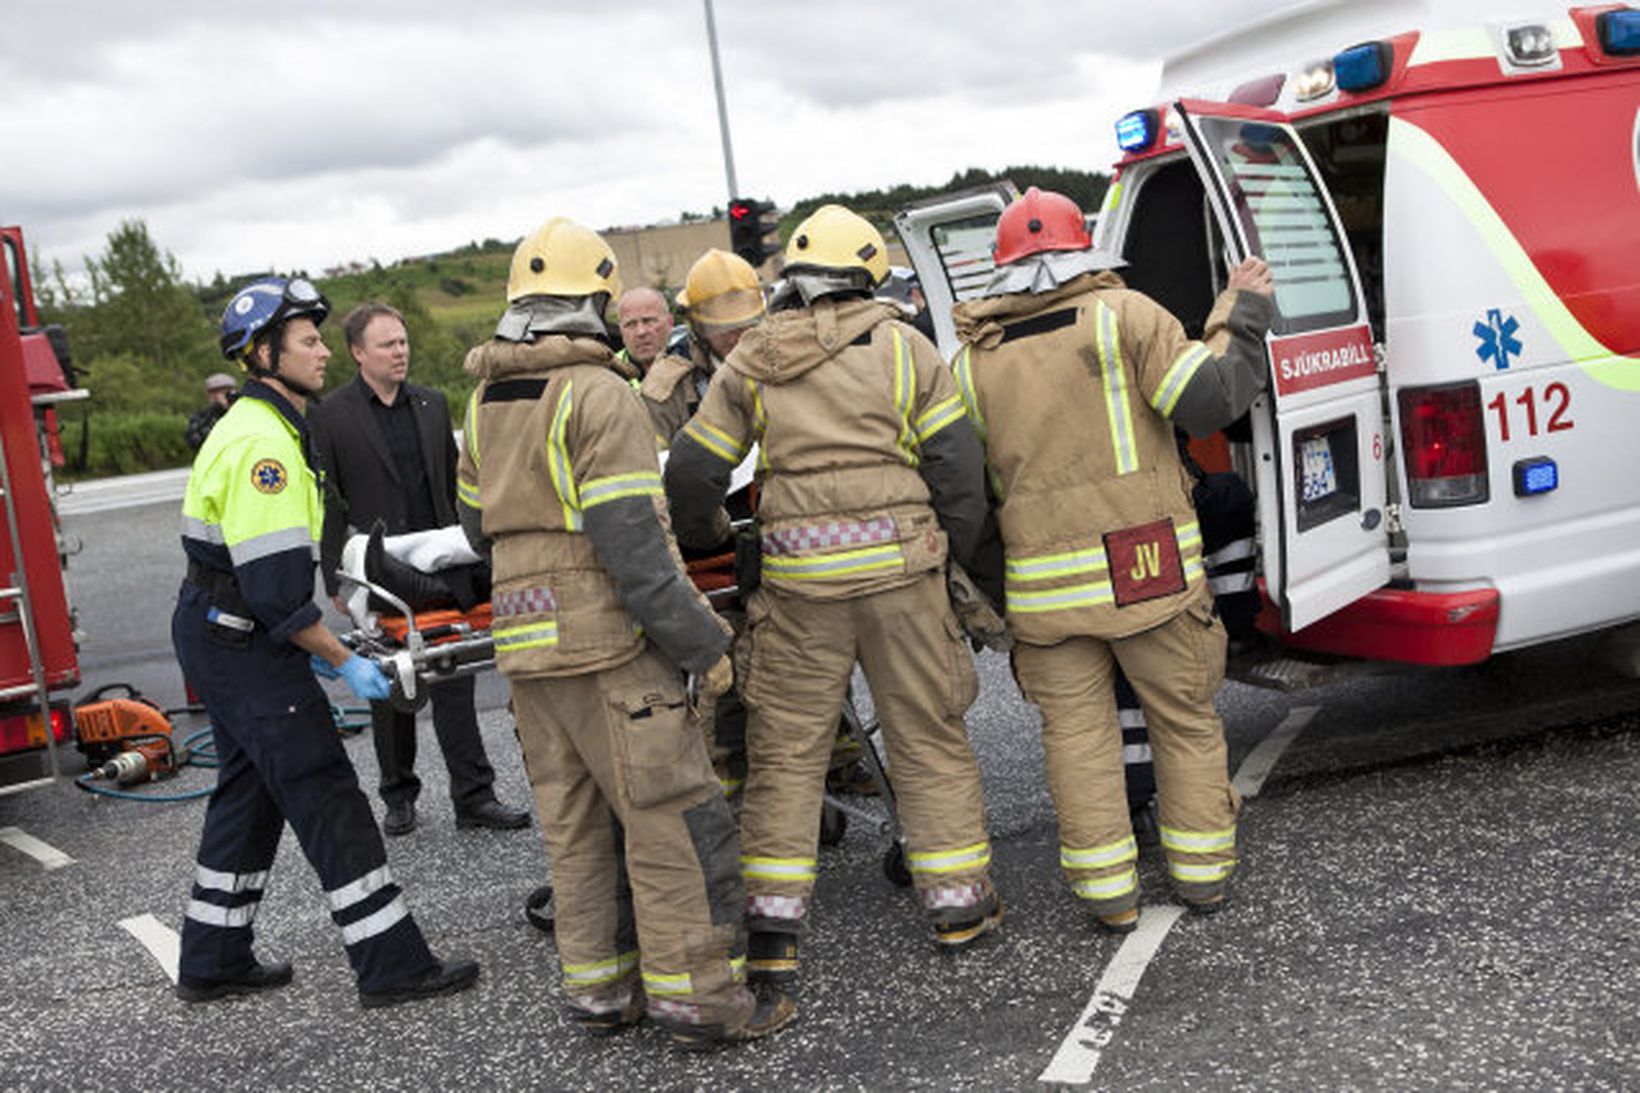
pixel 750 224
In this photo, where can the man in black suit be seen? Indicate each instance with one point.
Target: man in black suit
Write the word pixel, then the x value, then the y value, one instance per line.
pixel 389 457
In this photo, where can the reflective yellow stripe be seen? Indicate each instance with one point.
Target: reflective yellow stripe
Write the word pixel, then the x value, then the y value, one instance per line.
pixel 558 459
pixel 964 859
pixel 469 428
pixel 760 421
pixel 468 494
pixel 1114 388
pixel 716 441
pixel 842 564
pixel 1107 887
pixel 778 868
pixel 613 487
pixel 1122 850
pixel 657 983
pixel 530 636
pixel 737 968
pixel 905 393
pixel 602 971
pixel 1198 842
pixel 1189 537
pixel 938 417
pixel 964 373
pixel 1178 378
pixel 1061 599
pixel 1192 873
pixel 1043 567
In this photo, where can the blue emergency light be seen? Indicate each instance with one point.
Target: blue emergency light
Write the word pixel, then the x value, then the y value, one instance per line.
pixel 1136 131
pixel 1536 475
pixel 1362 67
pixel 1620 31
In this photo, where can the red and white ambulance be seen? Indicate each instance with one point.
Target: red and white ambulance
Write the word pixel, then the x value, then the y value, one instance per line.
pixel 1447 460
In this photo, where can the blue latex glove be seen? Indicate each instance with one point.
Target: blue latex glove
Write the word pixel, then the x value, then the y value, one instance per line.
pixel 324 669
pixel 365 679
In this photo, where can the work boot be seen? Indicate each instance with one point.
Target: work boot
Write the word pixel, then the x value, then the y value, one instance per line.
pixel 775 1010
pixel 959 934
pixel 771 957
pixel 260 977
pixel 1120 922
pixel 852 778
pixel 444 977
pixel 1212 905
pixel 603 1025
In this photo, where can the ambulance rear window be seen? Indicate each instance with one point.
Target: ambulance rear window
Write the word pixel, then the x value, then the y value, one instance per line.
pixel 1285 217
pixel 964 248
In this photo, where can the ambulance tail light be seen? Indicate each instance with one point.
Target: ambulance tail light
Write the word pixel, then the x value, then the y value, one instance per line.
pixel 23 730
pixel 1363 67
pixel 1620 32
pixel 1444 437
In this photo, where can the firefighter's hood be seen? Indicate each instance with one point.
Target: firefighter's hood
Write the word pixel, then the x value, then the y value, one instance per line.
pixel 499 359
pixel 980 321
pixel 789 343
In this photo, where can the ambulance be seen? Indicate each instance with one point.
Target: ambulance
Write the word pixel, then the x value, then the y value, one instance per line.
pixel 1447 457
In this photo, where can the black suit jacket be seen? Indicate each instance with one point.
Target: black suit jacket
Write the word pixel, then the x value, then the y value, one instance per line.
pixel 361 483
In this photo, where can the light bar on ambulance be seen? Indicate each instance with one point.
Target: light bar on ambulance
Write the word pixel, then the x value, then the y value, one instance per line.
pixel 1136 131
pixel 1315 81
pixel 1620 32
pixel 1530 45
pixel 1363 67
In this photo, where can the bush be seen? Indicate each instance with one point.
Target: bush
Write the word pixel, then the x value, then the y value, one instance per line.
pixel 125 443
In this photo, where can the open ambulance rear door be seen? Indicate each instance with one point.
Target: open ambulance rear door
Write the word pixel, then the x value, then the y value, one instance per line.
pixel 948 240
pixel 1319 429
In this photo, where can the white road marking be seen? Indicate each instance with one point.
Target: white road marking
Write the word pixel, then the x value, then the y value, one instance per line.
pixel 159 939
pixel 1262 759
pixel 1078 1055
pixel 42 852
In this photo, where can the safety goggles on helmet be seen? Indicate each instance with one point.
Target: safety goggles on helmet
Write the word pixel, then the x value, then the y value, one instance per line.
pixel 265 303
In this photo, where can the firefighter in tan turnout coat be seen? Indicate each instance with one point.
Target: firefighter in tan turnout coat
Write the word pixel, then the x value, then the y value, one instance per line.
pixel 868 467
pixel 595 626
pixel 1075 384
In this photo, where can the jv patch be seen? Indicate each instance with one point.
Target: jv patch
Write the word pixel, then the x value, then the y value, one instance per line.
pixel 1144 562
pixel 269 476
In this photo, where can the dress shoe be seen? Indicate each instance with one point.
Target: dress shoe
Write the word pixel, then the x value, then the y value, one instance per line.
pixel 444 977
pixel 261 977
pixel 400 818
pixel 492 814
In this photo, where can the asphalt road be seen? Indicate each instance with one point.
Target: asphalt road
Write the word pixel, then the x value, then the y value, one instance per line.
pixel 1437 891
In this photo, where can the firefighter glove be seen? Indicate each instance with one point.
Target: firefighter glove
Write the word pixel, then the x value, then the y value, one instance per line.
pixel 365 679
pixel 978 618
pixel 714 681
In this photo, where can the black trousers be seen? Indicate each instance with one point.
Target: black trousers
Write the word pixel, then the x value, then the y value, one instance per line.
pixel 455 723
pixel 280 759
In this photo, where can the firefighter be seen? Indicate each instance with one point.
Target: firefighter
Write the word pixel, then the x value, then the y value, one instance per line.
pixel 1076 384
pixel 249 638
pixel 721 299
pixel 596 626
pixel 868 468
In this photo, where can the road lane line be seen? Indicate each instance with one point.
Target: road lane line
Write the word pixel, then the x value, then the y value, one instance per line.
pixel 1079 1053
pixel 1262 759
pixel 159 939
pixel 42 852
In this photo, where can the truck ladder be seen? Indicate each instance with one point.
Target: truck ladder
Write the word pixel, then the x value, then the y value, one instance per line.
pixel 18 592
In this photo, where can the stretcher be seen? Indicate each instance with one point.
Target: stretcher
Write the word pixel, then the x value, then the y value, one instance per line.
pixel 418 648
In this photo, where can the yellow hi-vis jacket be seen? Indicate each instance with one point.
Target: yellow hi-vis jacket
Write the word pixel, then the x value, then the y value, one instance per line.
pixel 1075 393
pixel 252 509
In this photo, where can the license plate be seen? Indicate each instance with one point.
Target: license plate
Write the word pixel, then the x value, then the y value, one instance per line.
pixel 1319 478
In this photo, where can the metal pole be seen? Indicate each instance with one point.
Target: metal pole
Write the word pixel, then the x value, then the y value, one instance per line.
pixel 723 110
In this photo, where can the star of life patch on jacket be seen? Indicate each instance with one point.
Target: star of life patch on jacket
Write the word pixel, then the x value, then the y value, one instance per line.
pixel 269 476
pixel 1144 562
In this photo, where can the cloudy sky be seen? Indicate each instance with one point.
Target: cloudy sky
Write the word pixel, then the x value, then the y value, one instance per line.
pixel 304 134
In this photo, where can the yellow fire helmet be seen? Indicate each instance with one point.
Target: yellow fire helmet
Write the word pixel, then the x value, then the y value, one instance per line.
pixel 561 258
pixel 833 238
pixel 722 292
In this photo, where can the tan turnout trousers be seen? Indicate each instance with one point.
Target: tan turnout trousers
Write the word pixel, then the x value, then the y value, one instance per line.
pixel 619 769
pixel 800 656
pixel 1175 668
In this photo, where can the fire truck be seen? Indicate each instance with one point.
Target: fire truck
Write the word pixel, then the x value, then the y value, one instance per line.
pixel 1448 195
pixel 38 653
